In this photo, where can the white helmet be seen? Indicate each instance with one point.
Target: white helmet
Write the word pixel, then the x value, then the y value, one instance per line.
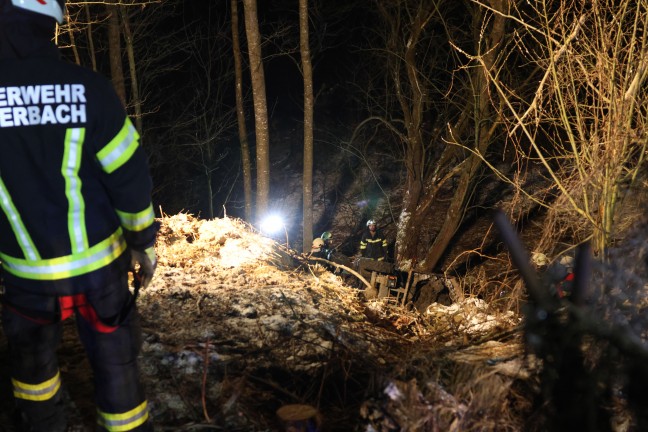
pixel 371 222
pixel 317 244
pixel 51 8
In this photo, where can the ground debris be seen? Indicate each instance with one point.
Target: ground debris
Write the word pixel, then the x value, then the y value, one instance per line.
pixel 236 326
pixel 244 309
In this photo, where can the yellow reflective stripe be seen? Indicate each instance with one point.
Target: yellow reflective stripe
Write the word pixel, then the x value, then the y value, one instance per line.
pixel 120 148
pixel 137 221
pixel 17 226
pixel 76 204
pixel 150 253
pixel 37 392
pixel 124 421
pixel 99 255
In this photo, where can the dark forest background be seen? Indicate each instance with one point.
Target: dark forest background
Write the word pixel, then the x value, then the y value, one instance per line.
pixel 428 114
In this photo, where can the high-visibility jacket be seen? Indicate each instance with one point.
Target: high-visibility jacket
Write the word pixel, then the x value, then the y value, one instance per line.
pixel 74 182
pixel 373 246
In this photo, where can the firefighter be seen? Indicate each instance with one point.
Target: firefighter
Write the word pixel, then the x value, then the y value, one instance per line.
pixel 75 216
pixel 373 247
pixel 321 246
pixel 327 247
pixel 373 244
pixel 318 248
pixel 328 240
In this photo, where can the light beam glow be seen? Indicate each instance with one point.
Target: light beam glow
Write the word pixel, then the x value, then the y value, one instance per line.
pixel 272 224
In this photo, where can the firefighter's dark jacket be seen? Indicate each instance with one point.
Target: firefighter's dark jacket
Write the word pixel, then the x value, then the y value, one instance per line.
pixel 74 182
pixel 374 247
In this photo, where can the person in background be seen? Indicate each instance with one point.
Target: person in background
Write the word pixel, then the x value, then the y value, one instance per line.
pixel 318 248
pixel 75 216
pixel 373 244
pixel 321 247
pixel 327 237
pixel 560 277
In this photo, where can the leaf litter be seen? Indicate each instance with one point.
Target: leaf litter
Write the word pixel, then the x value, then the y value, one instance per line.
pixel 237 326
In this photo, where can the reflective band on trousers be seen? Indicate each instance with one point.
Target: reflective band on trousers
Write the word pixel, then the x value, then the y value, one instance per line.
pixel 125 421
pixel 96 257
pixel 37 392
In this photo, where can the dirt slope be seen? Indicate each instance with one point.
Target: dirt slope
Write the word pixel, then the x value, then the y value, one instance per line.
pixel 236 327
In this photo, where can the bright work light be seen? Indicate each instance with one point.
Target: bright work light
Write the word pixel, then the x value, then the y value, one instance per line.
pixel 273 224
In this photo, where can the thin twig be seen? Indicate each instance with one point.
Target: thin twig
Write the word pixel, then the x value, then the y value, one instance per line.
pixel 204 381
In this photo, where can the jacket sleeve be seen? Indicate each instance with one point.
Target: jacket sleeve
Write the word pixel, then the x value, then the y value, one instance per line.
pixel 129 185
pixel 127 179
pixel 363 245
pixel 385 248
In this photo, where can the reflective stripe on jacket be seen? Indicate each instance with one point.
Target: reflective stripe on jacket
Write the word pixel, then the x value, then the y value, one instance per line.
pixel 74 182
pixel 374 247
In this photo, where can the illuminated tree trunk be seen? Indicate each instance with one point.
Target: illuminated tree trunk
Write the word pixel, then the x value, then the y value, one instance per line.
pixel 307 72
pixel 260 107
pixel 240 114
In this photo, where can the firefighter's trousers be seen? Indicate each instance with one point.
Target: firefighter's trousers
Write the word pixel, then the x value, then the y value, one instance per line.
pixel 33 326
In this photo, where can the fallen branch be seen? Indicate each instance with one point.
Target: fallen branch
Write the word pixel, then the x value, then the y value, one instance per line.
pixel 343 267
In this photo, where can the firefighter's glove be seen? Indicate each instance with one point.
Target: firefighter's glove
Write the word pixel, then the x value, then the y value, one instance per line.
pixel 144 263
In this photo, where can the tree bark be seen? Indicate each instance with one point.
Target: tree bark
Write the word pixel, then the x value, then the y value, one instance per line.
pixel 260 107
pixel 91 48
pixel 240 114
pixel 132 69
pixel 411 100
pixel 307 72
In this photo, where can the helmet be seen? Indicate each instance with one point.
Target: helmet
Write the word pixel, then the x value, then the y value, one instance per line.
pixel 371 222
pixel 567 262
pixel 326 235
pixel 317 244
pixel 51 8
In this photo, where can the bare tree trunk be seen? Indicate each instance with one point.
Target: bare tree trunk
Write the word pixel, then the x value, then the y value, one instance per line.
pixel 91 48
pixel 407 29
pixel 307 71
pixel 68 28
pixel 240 114
pixel 429 161
pixel 260 106
pixel 114 49
pixel 135 98
pixel 411 99
pixel 485 128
